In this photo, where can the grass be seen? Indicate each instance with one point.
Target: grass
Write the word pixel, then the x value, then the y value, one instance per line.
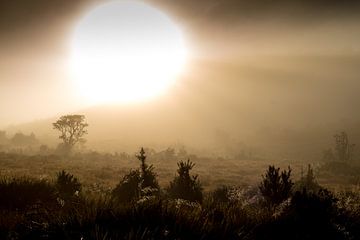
pixel 103 171
pixel 33 207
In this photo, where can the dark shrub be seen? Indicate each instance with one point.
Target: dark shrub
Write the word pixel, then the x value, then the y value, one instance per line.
pixel 308 216
pixel 67 185
pixel 220 195
pixel 24 193
pixel 128 189
pixel 137 183
pixel 307 182
pixel 147 174
pixel 185 186
pixel 275 186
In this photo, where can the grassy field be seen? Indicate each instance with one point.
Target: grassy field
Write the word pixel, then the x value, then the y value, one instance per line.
pixel 103 171
pixel 35 204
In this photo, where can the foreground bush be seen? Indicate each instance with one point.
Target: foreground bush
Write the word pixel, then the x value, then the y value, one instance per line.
pixel 308 216
pixel 185 186
pixel 30 209
pixel 137 183
pixel 24 193
pixel 275 186
pixel 67 185
pixel 129 188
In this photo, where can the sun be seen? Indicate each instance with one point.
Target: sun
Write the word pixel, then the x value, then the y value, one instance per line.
pixel 126 51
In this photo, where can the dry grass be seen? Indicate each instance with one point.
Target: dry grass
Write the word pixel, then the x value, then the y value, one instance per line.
pixel 103 171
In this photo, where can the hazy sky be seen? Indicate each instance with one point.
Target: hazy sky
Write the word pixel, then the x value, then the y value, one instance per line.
pixel 289 62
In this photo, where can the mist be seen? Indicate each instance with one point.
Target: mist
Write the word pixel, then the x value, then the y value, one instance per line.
pixel 257 137
pixel 260 74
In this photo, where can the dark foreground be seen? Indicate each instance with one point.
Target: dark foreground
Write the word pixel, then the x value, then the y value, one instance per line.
pixel 37 209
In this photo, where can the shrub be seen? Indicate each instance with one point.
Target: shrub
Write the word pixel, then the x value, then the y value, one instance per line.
pixel 147 174
pixel 24 193
pixel 308 182
pixel 185 186
pixel 67 185
pixel 220 195
pixel 308 216
pixel 138 183
pixel 319 205
pixel 275 186
pixel 128 189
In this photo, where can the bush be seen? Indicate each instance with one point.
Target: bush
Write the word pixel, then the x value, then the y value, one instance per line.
pixel 275 186
pixel 185 186
pixel 220 195
pixel 308 216
pixel 138 183
pixel 67 185
pixel 307 182
pixel 24 193
pixel 147 174
pixel 128 189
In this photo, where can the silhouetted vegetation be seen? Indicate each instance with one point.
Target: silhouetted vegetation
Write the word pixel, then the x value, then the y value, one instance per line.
pixel 72 129
pixel 67 185
pixel 308 181
pixel 185 186
pixel 137 183
pixel 39 209
pixel 138 208
pixel 343 150
pixel 275 186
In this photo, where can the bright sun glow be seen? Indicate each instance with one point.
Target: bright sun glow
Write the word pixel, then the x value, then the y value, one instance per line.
pixel 126 51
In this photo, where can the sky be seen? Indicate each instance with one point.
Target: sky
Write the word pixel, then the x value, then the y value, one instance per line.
pixel 257 64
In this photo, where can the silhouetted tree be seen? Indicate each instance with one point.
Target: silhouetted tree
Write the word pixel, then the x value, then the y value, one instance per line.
pixel 275 186
pixel 137 183
pixel 147 175
pixel 72 129
pixel 185 186
pixel 343 148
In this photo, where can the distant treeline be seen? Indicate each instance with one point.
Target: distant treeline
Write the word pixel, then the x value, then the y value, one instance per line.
pixel 17 140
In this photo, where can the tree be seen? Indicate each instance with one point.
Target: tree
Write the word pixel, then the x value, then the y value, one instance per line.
pixel 147 174
pixel 72 129
pixel 275 186
pixel 343 148
pixel 137 183
pixel 185 186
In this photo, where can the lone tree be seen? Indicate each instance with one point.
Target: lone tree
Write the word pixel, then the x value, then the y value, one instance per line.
pixel 72 129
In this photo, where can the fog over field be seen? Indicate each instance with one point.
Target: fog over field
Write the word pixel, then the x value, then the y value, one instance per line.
pixel 260 74
pixel 161 119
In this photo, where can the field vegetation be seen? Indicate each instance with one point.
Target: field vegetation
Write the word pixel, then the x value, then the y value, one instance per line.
pixel 172 194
